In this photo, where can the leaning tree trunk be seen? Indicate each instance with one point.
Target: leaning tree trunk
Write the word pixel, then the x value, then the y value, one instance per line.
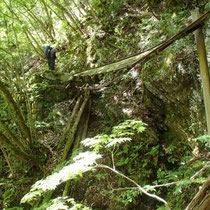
pixel 201 201
pixel 12 104
pixel 81 135
pixel 73 130
pixel 69 124
pixel 9 133
pixel 21 155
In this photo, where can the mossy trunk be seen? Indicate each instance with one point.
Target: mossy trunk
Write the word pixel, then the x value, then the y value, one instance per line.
pixel 73 130
pixel 14 107
pixel 81 135
pixel 83 126
pixel 21 155
pixel 9 133
pixel 69 124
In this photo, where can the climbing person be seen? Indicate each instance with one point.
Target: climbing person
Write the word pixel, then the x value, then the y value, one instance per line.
pixel 50 55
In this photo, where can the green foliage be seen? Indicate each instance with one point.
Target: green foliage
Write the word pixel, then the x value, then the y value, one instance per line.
pixel 182 181
pixel 128 158
pixel 110 30
pixel 119 134
pixel 83 162
pixel 125 197
pixel 203 143
pixel 61 203
pixel 11 191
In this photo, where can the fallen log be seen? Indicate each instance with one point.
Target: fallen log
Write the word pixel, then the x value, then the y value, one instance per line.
pixel 73 130
pixel 69 124
pixel 133 60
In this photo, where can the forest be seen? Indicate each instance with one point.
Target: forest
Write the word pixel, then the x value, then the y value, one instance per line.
pixel 104 104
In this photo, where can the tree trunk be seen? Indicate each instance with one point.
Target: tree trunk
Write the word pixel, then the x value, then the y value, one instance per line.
pixel 81 135
pixel 74 128
pixel 205 77
pixel 201 201
pixel 8 161
pixel 21 155
pixel 83 126
pixel 69 123
pixel 9 133
pixel 12 104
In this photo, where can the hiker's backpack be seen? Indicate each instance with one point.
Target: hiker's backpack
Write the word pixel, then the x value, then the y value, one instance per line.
pixel 47 50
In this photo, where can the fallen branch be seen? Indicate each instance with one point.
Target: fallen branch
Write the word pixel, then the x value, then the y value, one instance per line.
pixel 200 172
pixel 152 186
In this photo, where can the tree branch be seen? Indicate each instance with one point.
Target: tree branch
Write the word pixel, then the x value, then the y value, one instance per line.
pixel 138 186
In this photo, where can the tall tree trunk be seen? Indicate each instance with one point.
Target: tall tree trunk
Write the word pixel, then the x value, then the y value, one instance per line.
pixel 24 82
pixel 63 9
pixel 50 21
pixel 204 71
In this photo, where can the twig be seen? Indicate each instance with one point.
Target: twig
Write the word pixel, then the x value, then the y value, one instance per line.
pixel 113 162
pixel 152 186
pixel 200 172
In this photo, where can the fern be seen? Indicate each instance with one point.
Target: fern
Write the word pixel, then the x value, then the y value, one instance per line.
pixel 83 162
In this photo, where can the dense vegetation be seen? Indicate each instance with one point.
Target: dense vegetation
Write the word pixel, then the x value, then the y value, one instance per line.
pixel 130 137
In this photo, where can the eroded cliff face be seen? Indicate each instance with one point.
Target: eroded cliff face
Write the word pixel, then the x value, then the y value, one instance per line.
pixel 167 96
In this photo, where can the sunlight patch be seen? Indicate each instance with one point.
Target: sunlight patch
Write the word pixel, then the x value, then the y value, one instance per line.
pixel 127 111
